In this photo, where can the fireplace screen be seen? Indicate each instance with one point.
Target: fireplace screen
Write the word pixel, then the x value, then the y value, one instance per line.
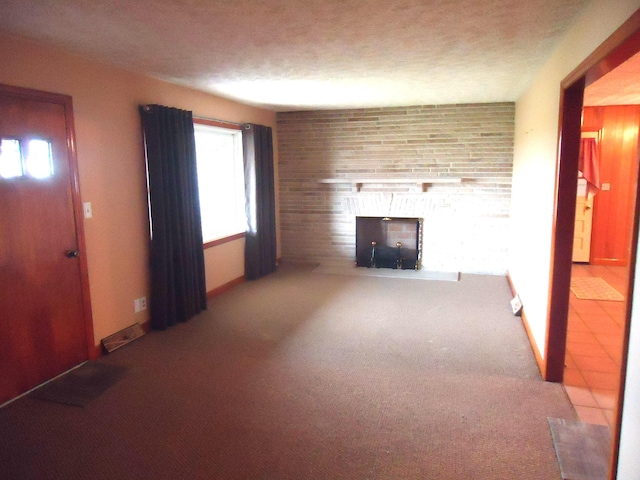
pixel 389 242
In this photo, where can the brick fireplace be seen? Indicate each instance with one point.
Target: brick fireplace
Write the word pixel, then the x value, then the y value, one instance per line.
pixel 337 165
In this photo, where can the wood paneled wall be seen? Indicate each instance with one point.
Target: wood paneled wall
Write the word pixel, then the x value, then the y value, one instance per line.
pixel 613 215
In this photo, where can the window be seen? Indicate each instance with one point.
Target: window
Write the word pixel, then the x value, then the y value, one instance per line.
pixel 220 181
pixel 19 158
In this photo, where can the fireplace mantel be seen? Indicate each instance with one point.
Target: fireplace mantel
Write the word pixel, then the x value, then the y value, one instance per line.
pixel 358 182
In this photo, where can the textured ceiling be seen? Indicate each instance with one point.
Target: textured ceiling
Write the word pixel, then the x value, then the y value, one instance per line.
pixel 621 86
pixel 294 54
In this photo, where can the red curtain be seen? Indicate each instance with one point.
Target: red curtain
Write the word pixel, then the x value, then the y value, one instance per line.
pixel 589 165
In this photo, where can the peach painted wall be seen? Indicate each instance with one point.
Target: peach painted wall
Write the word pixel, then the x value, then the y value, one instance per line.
pixel 112 169
pixel 225 262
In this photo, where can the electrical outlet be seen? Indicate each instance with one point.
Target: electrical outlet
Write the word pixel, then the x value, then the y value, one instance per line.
pixel 139 304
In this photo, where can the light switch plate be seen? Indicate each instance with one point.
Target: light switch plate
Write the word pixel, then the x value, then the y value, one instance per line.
pixel 606 187
pixel 86 209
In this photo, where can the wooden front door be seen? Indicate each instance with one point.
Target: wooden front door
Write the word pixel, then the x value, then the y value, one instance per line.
pixel 45 320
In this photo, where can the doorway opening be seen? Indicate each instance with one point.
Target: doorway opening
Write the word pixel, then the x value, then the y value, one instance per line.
pixel 621 46
pixel 602 244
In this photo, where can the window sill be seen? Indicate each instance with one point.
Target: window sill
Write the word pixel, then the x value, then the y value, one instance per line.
pixel 220 241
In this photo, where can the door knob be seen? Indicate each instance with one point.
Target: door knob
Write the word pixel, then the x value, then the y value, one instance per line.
pixel 72 253
pixel 587 207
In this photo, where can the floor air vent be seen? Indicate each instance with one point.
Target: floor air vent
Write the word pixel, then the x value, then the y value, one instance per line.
pixel 121 338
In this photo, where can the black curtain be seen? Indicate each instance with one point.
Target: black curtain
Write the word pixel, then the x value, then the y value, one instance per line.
pixel 178 289
pixel 260 239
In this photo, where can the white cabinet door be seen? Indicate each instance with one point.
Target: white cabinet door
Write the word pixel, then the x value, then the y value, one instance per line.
pixel 583 223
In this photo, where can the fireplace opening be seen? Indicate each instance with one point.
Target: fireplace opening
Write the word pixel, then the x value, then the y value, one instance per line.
pixel 389 242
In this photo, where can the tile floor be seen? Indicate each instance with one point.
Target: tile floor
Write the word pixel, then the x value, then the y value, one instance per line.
pixel 594 348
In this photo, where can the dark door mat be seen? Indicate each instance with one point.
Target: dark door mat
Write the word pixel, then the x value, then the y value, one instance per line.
pixel 82 385
pixel 583 449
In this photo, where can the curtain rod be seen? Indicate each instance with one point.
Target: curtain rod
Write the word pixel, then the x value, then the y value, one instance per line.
pixel 218 120
pixel 147 107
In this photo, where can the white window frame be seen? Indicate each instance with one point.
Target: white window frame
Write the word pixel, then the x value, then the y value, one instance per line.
pixel 223 214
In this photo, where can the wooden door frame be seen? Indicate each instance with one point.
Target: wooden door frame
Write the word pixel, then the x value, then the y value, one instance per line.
pixel 65 101
pixel 619 47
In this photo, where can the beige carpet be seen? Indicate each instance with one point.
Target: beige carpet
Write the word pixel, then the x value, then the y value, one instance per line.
pixel 421 274
pixel 307 376
pixel 594 288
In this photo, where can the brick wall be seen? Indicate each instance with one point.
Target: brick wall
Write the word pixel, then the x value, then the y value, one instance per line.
pixel 465 224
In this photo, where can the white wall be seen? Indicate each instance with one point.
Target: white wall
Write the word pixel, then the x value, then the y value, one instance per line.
pixel 535 159
pixel 535 162
pixel 629 463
